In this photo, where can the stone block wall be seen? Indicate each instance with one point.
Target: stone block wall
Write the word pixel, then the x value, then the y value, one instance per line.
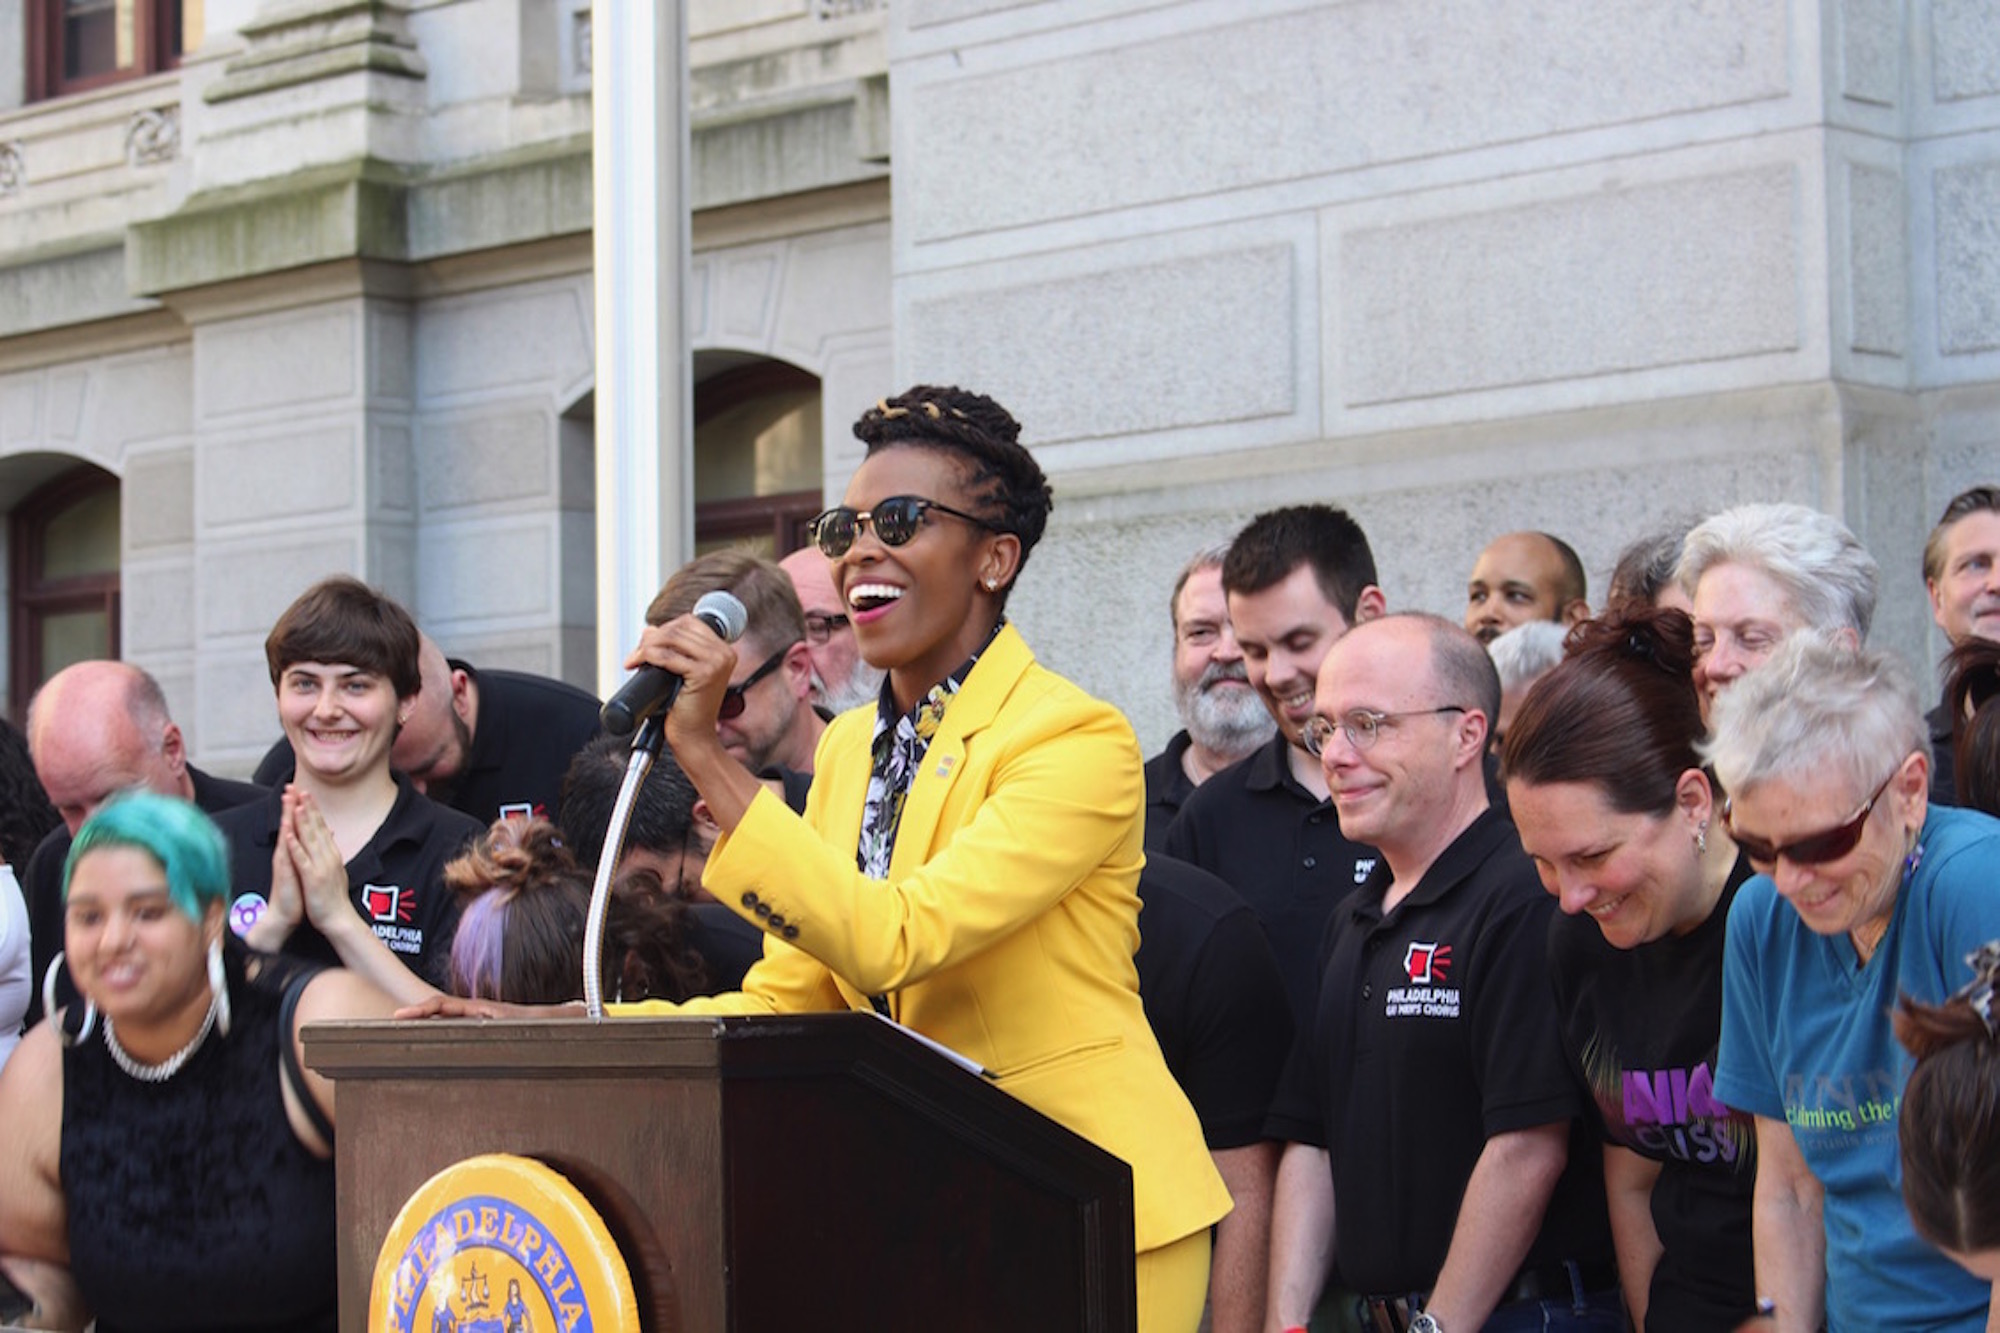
pixel 1576 265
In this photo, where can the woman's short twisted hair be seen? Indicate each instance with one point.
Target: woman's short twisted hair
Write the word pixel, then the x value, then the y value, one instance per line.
pixel 1002 476
pixel 1827 575
pixel 1816 704
pixel 173 832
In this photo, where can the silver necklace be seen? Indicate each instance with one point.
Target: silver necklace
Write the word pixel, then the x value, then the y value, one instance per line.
pixel 168 1067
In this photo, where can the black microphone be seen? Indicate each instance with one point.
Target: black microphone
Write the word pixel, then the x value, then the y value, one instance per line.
pixel 652 689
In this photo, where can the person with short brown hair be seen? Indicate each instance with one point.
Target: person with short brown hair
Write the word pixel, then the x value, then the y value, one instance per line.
pixel 765 723
pixel 349 848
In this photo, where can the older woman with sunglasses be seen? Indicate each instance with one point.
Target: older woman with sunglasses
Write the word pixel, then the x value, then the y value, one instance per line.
pixel 1826 757
pixel 969 856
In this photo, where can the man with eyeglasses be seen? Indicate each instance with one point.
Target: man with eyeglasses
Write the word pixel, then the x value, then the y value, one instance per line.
pixel 1427 1110
pixel 840 679
pixel 767 721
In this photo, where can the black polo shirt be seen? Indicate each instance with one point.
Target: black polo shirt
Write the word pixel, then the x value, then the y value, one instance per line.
pixel 396 882
pixel 1167 788
pixel 41 883
pixel 1280 847
pixel 1213 997
pixel 1944 760
pixel 530 727
pixel 1436 1029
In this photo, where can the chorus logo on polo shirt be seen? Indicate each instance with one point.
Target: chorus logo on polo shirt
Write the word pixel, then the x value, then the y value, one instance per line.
pixel 390 908
pixel 1426 963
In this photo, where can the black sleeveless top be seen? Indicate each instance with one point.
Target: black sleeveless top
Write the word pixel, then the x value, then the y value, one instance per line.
pixel 192 1204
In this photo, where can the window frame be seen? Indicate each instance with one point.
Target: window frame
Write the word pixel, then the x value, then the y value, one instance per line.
pixel 153 48
pixel 33 598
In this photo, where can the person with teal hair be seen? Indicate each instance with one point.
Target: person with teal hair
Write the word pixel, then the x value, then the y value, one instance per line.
pixel 173 832
pixel 168 1156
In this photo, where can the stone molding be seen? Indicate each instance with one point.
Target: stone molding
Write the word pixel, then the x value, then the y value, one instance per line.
pixel 307 43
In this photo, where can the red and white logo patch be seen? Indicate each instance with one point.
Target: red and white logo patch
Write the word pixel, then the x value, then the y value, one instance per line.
pixel 1427 963
pixel 388 903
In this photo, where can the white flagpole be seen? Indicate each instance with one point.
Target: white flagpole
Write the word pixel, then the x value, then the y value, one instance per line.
pixel 644 391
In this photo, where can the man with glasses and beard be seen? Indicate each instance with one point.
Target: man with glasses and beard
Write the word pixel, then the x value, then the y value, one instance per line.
pixel 840 679
pixel 1222 719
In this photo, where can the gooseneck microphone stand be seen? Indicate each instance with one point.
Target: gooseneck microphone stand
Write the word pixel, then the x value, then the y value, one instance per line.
pixel 645 749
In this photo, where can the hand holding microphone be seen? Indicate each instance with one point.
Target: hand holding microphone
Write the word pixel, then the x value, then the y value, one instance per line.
pixel 652 688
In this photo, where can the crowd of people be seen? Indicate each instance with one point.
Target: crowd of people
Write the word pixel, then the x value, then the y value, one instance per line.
pixel 1531 971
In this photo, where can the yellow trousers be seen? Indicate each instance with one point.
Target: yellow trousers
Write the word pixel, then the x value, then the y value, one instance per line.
pixel 1173 1285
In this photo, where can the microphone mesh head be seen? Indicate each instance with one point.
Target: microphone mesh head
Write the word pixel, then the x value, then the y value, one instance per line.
pixel 724 613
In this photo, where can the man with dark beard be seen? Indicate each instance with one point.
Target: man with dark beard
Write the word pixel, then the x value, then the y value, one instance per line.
pixel 1222 718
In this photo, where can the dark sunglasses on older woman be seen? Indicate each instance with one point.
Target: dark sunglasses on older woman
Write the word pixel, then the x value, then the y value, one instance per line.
pixel 1813 849
pixel 895 521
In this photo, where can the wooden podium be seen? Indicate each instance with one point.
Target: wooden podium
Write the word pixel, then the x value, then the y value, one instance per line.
pixel 819 1172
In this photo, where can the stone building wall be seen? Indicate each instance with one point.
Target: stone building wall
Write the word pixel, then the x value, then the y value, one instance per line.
pixel 1582 265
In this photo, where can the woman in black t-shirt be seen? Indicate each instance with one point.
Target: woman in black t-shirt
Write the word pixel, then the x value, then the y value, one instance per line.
pixel 1611 801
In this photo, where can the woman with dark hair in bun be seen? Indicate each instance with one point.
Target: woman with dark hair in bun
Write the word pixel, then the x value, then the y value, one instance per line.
pixel 1950 1128
pixel 968 861
pixel 524 902
pixel 1612 801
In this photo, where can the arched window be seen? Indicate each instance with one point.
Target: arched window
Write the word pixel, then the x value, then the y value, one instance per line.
pixel 65 545
pixel 757 470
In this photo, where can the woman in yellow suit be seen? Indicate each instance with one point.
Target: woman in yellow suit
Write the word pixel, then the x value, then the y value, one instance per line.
pixel 969 857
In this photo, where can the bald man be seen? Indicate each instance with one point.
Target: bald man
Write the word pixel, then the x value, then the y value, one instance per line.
pixel 1522 577
pixel 840 679
pixel 96 729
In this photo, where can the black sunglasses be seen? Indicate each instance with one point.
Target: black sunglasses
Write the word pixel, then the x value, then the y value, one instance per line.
pixel 733 702
pixel 1813 849
pixel 895 521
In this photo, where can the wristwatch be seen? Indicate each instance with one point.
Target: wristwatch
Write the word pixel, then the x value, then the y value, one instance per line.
pixel 1425 1322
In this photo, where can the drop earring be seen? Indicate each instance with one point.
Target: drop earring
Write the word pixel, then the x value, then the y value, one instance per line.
pixel 218 985
pixel 63 1033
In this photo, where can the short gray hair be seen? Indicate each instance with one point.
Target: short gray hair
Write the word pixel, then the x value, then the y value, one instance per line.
pixel 1527 650
pixel 1816 704
pixel 1827 575
pixel 1210 556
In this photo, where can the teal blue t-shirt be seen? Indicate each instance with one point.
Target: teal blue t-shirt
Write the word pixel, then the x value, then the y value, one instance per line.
pixel 1806 1039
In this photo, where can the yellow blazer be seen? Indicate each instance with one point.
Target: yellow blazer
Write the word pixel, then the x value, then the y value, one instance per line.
pixel 1006 927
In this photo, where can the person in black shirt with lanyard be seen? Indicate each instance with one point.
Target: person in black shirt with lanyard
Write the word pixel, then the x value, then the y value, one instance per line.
pixel 1611 800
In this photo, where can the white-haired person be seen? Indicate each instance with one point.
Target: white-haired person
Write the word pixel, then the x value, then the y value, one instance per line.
pixel 1826 758
pixel 1523 655
pixel 1759 573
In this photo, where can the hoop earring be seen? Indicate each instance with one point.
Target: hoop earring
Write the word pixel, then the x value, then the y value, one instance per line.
pixel 218 983
pixel 63 1034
